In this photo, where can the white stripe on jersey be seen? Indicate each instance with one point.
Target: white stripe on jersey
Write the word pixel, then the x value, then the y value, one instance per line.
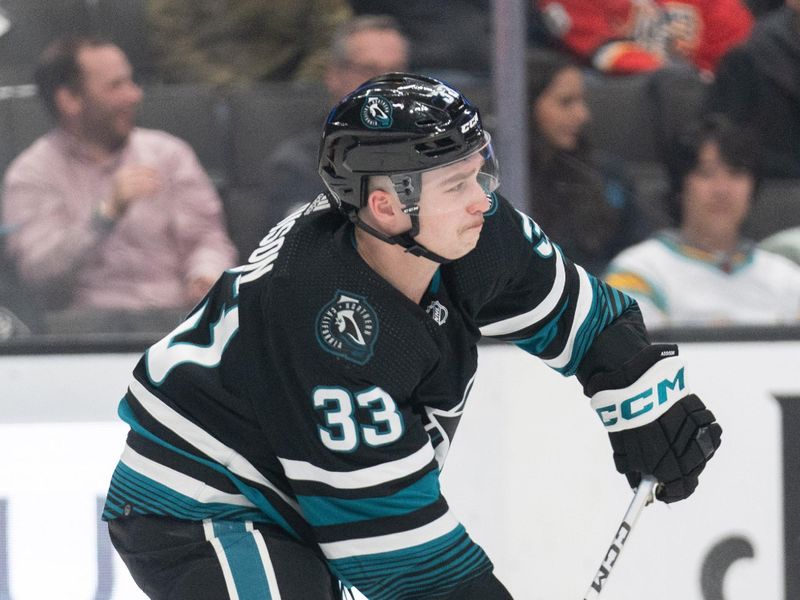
pixel 584 305
pixel 272 579
pixel 198 438
pixel 394 541
pixel 230 584
pixel 543 309
pixel 188 486
pixel 300 470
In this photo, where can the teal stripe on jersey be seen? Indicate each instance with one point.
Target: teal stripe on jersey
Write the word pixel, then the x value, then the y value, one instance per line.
pixel 244 561
pixel 458 567
pixel 151 497
pixel 433 568
pixel 223 526
pixel 321 511
pixel 436 282
pixel 604 309
pixel 617 304
pixel 445 578
pixel 536 344
pixel 252 494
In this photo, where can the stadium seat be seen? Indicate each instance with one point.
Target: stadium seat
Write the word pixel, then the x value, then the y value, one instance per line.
pixel 776 208
pixel 677 98
pixel 29 120
pixel 261 117
pixel 651 183
pixel 6 151
pixel 34 24
pixel 124 22
pixel 249 217
pixel 193 113
pixel 623 121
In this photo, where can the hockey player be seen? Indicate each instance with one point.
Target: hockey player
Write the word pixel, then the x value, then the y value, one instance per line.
pixel 289 434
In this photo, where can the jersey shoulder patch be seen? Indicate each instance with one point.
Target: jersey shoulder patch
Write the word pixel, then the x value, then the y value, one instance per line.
pixel 347 327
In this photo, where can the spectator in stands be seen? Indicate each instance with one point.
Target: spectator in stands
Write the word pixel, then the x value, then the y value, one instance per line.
pixel 636 36
pixel 758 84
pixel 704 273
pixel 362 48
pixel 242 42
pixel 450 40
pixel 102 214
pixel 584 200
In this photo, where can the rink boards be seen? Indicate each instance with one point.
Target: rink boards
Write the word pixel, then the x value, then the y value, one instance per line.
pixel 530 474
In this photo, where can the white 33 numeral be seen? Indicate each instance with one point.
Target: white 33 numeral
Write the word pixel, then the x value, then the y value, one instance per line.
pixel 343 432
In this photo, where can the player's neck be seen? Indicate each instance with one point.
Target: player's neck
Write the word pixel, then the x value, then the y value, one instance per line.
pixel 409 274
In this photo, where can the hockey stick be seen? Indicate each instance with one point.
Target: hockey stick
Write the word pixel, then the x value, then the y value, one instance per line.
pixel 645 494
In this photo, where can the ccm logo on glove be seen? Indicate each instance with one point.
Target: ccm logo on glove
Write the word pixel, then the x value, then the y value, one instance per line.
pixel 645 400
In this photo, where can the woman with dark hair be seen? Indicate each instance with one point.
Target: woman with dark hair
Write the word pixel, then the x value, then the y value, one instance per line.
pixel 582 199
pixel 704 272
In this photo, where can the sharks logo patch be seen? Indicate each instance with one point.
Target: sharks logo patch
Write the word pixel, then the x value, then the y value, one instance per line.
pixel 377 113
pixel 348 327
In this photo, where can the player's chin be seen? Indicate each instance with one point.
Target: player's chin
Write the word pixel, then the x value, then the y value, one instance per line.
pixel 468 244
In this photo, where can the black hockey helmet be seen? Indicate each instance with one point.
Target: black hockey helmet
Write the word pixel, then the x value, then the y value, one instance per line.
pixel 399 125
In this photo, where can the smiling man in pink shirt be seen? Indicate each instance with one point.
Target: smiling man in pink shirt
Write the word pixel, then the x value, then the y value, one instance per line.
pixel 104 214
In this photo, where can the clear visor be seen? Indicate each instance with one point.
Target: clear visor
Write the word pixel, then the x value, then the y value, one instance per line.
pixel 481 164
pixel 489 174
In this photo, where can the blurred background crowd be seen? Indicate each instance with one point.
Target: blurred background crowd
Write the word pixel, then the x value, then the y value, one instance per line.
pixel 147 145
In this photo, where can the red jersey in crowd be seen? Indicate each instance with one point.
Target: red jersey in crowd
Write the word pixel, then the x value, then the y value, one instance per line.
pixel 633 36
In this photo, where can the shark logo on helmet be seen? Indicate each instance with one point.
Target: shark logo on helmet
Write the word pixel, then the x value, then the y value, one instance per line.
pixel 377 113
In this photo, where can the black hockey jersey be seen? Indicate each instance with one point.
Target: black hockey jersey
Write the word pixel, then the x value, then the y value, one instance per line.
pixel 307 392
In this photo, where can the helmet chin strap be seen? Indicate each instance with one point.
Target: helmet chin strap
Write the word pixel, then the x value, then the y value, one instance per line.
pixel 405 239
pixel 408 188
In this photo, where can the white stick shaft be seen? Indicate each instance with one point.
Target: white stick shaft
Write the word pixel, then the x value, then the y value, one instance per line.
pixel 645 494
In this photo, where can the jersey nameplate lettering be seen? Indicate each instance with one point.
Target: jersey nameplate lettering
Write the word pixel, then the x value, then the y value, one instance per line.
pixel 261 260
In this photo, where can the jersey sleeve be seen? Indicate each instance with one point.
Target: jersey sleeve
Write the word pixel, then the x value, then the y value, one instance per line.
pixel 554 309
pixel 651 301
pixel 355 451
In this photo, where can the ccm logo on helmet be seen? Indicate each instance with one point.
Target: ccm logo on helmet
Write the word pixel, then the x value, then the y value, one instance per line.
pixel 470 124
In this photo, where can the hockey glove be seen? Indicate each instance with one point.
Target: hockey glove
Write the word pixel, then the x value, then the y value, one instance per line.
pixel 655 424
pixel 674 448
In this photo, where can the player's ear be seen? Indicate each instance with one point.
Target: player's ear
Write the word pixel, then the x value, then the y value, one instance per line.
pixel 381 204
